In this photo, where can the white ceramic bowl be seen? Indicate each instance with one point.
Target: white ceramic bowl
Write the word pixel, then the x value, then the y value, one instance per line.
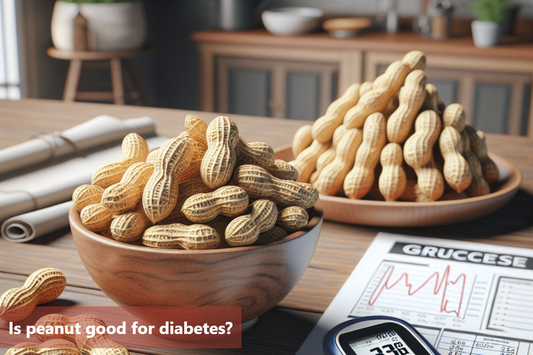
pixel 290 21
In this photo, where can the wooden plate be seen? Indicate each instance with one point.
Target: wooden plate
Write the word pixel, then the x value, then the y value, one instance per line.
pixel 418 214
pixel 346 27
pixel 346 24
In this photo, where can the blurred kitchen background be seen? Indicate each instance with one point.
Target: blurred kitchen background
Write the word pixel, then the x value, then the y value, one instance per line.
pixel 192 64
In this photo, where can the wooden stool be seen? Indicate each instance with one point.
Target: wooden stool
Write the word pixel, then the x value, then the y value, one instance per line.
pixel 116 59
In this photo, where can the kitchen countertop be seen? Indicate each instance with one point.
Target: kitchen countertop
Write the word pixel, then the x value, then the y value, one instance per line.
pixel 511 47
pixel 283 329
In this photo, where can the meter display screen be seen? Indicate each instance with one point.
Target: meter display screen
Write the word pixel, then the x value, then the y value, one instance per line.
pixel 385 343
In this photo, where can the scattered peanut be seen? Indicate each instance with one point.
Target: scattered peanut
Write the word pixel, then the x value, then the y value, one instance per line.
pixel 454 116
pixel 332 176
pixel 96 218
pixel 417 150
pixel 49 347
pixel 122 197
pixel 314 177
pixel 100 344
pixel 244 230
pixel 42 286
pixel 229 201
pixel 433 101
pixel 392 105
pixel 418 154
pixel 283 170
pixel 86 195
pixel 413 193
pixel 129 227
pixel 186 190
pixel 302 139
pixel 365 87
pixel 416 60
pixel 329 155
pixel 392 180
pixel 430 181
pixel 376 100
pixel 478 147
pixel 324 127
pixel 150 159
pixel 259 184
pixel 479 185
pixel 292 218
pixel 160 194
pixel 198 151
pixel 134 150
pixel 359 180
pixel 412 96
pixel 306 161
pixel 481 136
pixel 456 170
pixel 220 157
pixel 197 128
pixel 179 236
pixel 258 153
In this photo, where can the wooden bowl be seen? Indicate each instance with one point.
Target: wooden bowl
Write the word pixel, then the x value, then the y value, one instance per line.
pixel 418 214
pixel 255 278
pixel 346 27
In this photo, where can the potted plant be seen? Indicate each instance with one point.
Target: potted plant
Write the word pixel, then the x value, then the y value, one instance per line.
pixel 486 29
pixel 113 25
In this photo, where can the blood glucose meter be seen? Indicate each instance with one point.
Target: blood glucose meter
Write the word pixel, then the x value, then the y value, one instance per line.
pixel 376 336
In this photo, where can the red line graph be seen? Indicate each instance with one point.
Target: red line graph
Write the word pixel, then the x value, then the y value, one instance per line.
pixel 441 284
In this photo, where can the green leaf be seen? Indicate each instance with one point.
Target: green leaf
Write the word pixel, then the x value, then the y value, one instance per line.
pixel 489 10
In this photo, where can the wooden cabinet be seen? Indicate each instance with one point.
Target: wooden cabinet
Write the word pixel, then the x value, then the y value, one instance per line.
pixel 276 88
pixel 256 73
pixel 297 83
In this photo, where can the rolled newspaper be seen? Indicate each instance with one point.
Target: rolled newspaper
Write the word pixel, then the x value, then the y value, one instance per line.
pixel 33 225
pixel 56 183
pixel 99 131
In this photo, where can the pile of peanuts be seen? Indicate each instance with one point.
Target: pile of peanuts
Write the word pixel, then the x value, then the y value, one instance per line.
pixel 394 139
pixel 43 286
pixel 207 188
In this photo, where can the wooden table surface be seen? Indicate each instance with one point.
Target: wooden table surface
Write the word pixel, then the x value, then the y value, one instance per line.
pixel 283 329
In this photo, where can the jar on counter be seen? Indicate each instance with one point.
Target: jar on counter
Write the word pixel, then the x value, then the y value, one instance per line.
pixel 440 13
